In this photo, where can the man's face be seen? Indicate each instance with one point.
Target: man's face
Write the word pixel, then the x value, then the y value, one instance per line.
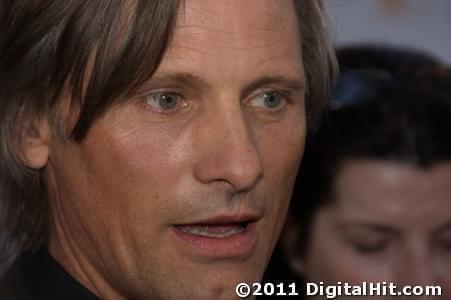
pixel 180 191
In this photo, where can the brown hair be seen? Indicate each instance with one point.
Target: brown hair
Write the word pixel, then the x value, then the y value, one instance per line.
pixel 48 47
pixel 318 56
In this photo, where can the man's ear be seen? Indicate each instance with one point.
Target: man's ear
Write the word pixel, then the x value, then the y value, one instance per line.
pixel 35 140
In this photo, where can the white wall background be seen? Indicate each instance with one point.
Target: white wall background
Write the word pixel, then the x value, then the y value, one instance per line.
pixel 420 24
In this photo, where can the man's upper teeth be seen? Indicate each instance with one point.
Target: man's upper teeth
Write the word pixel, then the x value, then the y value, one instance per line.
pixel 213 231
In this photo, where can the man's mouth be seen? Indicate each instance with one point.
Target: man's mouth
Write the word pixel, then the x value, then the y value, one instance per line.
pixel 214 230
pixel 219 237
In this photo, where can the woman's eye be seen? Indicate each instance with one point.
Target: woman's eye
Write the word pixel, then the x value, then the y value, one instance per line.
pixel 163 101
pixel 445 244
pixel 269 100
pixel 370 247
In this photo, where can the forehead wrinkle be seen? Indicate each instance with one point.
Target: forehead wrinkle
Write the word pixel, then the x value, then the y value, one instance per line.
pixel 281 59
pixel 240 40
pixel 200 45
pixel 226 46
pixel 177 52
pixel 229 27
pixel 226 26
pixel 173 54
pixel 223 31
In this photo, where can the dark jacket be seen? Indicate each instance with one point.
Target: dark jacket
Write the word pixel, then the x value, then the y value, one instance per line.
pixel 40 277
pixel 12 285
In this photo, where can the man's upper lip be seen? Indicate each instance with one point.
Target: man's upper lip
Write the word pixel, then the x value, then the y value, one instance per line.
pixel 224 219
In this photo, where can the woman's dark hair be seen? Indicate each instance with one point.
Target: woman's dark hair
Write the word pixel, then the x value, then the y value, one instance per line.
pixel 379 113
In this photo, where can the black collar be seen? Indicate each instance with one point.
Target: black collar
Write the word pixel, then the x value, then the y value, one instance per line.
pixel 46 279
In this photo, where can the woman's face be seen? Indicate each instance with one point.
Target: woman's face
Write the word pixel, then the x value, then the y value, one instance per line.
pixel 387 222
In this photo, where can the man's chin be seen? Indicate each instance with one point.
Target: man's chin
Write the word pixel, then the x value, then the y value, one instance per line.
pixel 219 279
pixel 203 287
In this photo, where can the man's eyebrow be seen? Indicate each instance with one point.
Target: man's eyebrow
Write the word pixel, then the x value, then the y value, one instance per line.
pixel 188 79
pixel 290 83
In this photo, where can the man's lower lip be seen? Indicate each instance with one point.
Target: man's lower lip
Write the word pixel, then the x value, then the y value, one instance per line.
pixel 239 245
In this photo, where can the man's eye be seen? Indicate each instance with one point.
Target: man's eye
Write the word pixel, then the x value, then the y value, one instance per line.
pixel 163 101
pixel 269 100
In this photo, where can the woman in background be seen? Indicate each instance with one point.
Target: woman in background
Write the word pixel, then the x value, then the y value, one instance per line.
pixel 373 197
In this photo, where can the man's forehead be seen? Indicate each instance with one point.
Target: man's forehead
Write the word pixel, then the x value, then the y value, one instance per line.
pixel 262 34
pixel 236 16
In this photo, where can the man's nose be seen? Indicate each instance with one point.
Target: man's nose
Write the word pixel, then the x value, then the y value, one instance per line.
pixel 227 150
